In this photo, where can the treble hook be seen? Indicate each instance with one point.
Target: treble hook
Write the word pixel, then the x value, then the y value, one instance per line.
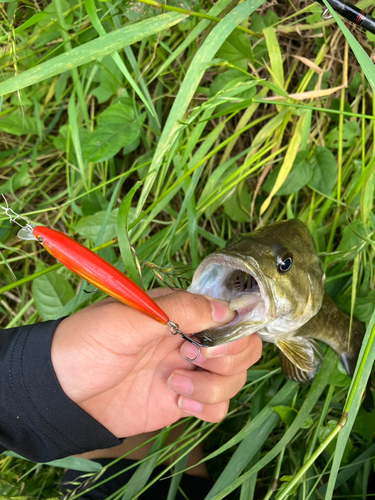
pixel 176 330
pixel 13 216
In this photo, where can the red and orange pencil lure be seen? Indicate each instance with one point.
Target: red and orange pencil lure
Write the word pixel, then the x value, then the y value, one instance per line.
pixel 94 269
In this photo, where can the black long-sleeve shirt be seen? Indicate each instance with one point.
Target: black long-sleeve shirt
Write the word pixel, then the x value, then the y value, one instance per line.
pixel 37 419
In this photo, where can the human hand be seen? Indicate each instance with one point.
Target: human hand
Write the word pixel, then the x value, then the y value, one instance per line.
pixel 127 371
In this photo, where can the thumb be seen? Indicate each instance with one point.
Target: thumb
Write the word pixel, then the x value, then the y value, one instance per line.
pixel 191 312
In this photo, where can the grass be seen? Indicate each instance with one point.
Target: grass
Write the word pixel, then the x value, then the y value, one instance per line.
pixel 191 130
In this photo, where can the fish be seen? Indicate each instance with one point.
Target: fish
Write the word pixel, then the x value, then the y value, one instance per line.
pixel 274 281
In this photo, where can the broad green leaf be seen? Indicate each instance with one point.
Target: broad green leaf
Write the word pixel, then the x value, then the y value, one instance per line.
pixel 354 85
pixel 18 124
pixel 338 376
pixel 51 292
pixel 19 179
pixel 363 306
pixel 89 227
pixel 93 203
pixel 286 413
pixel 259 23
pixel 237 50
pixel 226 81
pixel 365 424
pixel 335 104
pixel 21 99
pixel 324 171
pixel 237 207
pixel 111 80
pixel 349 137
pixel 351 242
pixel 117 127
pixel 298 177
pixel 323 433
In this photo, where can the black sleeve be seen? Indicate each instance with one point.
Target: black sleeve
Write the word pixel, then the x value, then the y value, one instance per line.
pixel 37 419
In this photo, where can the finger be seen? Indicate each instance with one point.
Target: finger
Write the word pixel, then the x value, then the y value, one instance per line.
pixel 156 292
pixel 227 359
pixel 209 413
pixel 206 387
pixel 159 292
pixel 193 313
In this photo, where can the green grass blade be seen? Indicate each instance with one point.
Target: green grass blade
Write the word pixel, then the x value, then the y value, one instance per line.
pixel 287 390
pixel 203 24
pixel 122 234
pixel 314 393
pixel 91 51
pixel 351 468
pixel 91 11
pixel 196 70
pixel 74 127
pixel 247 449
pixel 366 64
pixel 364 366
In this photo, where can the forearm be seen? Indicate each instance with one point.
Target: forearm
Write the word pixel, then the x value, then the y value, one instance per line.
pixel 38 420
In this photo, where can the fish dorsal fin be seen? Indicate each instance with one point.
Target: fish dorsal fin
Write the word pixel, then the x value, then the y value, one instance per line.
pixel 300 358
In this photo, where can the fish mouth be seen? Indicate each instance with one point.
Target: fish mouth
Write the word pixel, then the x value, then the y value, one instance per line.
pixel 242 284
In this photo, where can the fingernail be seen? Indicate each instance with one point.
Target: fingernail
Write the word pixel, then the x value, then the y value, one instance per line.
pixel 180 384
pixel 220 311
pixel 215 352
pixel 189 405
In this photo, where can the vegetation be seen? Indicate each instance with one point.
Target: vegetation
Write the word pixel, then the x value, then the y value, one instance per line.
pixel 187 129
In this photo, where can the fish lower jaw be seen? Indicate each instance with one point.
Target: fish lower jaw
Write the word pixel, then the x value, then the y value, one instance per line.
pixel 233 280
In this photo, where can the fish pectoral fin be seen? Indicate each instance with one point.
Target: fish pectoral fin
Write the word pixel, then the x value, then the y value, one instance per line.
pixel 300 358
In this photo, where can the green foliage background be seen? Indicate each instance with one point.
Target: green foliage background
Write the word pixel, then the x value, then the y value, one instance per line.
pixel 188 123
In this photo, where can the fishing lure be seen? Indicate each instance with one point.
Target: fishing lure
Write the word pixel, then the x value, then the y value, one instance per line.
pixel 96 270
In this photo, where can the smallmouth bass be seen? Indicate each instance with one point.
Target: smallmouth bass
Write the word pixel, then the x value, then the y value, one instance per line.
pixel 274 281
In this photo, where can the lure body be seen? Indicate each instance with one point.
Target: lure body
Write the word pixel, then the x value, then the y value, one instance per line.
pixel 97 271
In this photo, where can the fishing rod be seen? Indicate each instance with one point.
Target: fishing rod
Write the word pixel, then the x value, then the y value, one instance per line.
pixel 351 13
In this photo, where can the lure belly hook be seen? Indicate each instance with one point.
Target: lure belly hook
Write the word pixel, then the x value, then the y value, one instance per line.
pixel 96 270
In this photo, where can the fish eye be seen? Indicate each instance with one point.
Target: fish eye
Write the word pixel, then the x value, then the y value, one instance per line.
pixel 283 265
pixel 40 239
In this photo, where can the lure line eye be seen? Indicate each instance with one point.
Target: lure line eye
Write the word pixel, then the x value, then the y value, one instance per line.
pixel 40 239
pixel 284 265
